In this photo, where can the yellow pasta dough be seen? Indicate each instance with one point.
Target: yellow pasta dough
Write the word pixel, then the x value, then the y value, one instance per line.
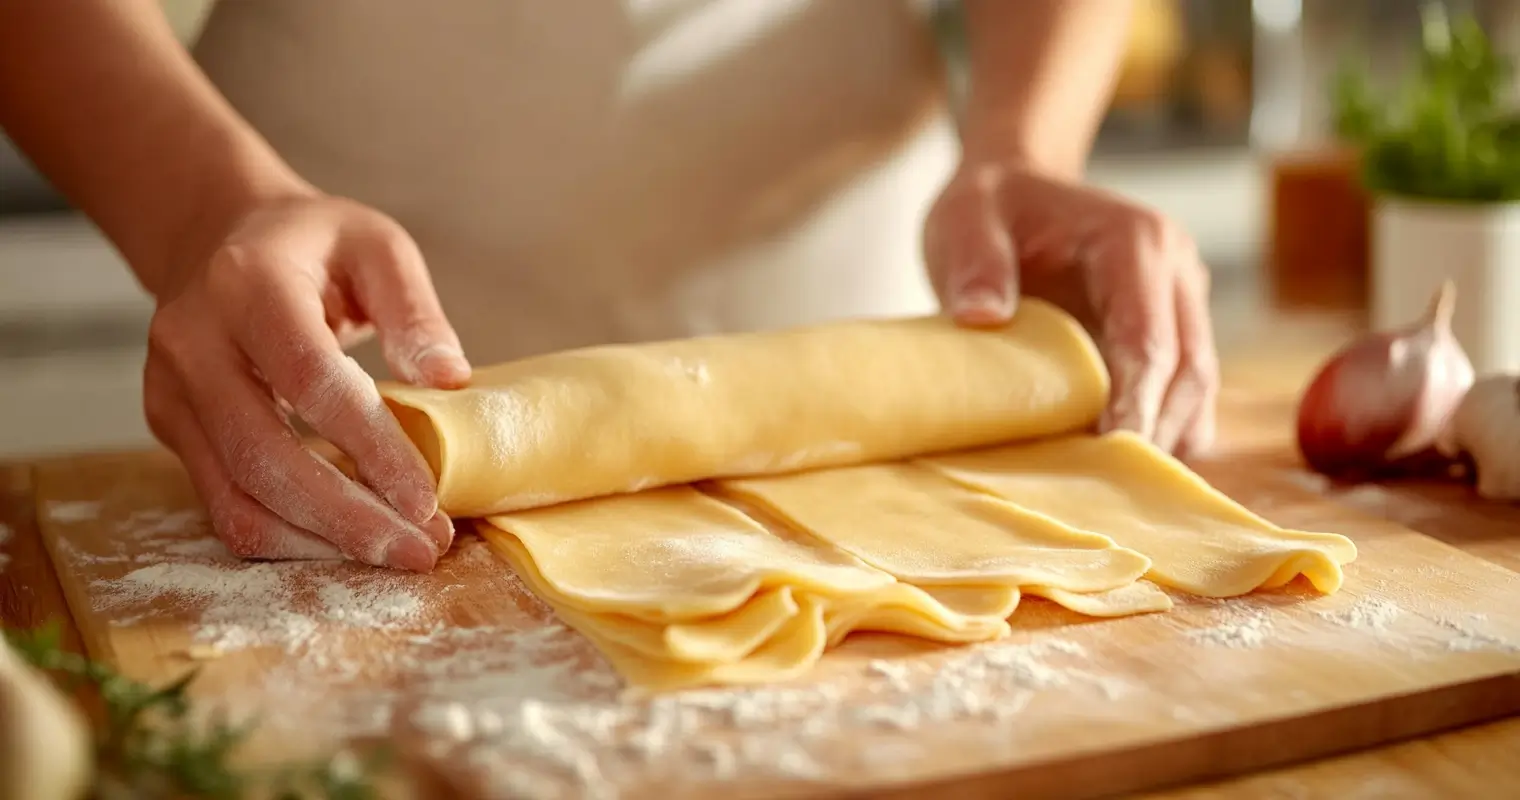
pixel 604 420
pixel 744 644
pixel 1198 539
pixel 724 510
pixel 920 527
pixel 673 554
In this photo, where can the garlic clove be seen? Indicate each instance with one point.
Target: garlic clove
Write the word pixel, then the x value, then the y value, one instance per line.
pixel 1486 428
pixel 45 744
pixel 1445 376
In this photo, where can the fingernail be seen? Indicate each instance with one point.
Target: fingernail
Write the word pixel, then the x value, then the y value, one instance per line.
pixel 410 553
pixel 441 361
pixel 982 306
pixel 1125 420
pixel 416 502
pixel 441 530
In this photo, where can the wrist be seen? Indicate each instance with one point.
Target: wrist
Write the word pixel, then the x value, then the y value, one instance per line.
pixel 231 186
pixel 1005 138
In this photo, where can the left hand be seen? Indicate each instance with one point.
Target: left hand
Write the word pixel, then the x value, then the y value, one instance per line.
pixel 1002 228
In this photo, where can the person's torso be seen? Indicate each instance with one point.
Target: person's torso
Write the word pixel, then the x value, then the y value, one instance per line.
pixel 585 171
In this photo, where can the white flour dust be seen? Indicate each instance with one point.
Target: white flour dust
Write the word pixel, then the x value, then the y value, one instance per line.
pixel 238 606
pixel 536 735
pixel 151 536
pixel 512 428
pixel 1383 501
pixel 1464 636
pixel 1366 614
pixel 73 511
pixel 1242 629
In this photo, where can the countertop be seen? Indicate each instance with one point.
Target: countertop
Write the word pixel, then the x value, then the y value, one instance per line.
pixel 1262 376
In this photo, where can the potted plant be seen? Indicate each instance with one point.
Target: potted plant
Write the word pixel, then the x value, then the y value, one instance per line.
pixel 1441 160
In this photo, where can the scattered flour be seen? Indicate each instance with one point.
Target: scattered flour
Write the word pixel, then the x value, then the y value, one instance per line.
pixel 239 605
pixel 1388 502
pixel 531 711
pixel 1463 636
pixel 1245 628
pixel 694 371
pixel 73 511
pixel 1366 614
pixel 534 735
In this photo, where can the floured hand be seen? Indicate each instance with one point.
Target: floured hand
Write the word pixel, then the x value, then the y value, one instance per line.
pixel 1133 277
pixel 254 332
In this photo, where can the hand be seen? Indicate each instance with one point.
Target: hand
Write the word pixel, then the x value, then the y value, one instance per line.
pixel 254 332
pixel 1131 276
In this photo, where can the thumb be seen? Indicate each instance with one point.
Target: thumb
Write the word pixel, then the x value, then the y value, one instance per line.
pixel 972 255
pixel 394 288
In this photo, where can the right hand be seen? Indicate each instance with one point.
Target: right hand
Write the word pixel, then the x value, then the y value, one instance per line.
pixel 255 331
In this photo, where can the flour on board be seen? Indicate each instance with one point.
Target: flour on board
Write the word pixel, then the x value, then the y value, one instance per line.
pixel 1366 614
pixel 73 511
pixel 534 735
pixel 1246 628
pixel 533 710
pixel 1463 636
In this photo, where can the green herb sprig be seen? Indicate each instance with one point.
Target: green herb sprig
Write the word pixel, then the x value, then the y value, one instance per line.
pixel 149 745
pixel 1446 134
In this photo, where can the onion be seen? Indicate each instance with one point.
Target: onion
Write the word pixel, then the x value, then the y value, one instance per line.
pixel 1379 404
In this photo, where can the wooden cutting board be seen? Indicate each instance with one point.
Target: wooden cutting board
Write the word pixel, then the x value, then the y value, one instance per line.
pixel 472 670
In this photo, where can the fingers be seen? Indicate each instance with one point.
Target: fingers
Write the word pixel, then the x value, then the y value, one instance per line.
pixel 1133 294
pixel 1198 438
pixel 247 529
pixel 1185 420
pixel 971 253
pixel 261 455
pixel 288 340
pixel 393 285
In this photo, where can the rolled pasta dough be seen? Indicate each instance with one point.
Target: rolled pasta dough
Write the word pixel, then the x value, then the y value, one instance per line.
pixel 723 510
pixel 600 421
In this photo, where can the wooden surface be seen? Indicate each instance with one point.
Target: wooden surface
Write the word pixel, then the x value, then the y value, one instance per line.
pixel 1122 705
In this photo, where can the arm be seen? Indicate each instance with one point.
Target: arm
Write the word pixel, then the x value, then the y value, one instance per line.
pixel 100 95
pixel 246 260
pixel 1042 72
pixel 1017 219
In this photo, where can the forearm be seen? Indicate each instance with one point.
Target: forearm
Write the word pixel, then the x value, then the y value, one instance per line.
pixel 1042 76
pixel 101 96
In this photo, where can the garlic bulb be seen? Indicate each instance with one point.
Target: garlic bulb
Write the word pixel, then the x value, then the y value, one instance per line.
pixel 1486 427
pixel 46 751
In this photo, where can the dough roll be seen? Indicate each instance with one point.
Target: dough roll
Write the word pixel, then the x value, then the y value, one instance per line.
pixel 623 418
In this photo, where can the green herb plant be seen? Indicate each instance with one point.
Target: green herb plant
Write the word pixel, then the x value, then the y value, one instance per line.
pixel 1446 133
pixel 150 745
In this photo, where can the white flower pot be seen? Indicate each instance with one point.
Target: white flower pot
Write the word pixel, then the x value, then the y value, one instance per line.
pixel 1418 245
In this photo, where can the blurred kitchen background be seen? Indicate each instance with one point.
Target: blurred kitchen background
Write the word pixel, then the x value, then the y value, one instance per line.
pixel 1220 120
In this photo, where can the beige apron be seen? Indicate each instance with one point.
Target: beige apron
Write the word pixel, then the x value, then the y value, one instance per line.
pixel 586 171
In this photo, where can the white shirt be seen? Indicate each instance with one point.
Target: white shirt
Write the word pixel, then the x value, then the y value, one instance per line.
pixel 589 171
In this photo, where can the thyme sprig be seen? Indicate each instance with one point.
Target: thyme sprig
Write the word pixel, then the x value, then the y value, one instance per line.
pixel 149 744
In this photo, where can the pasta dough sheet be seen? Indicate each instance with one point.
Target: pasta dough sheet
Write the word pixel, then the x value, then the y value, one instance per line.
pixel 673 554
pixel 1121 486
pixel 607 420
pixel 923 528
pixel 777 633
